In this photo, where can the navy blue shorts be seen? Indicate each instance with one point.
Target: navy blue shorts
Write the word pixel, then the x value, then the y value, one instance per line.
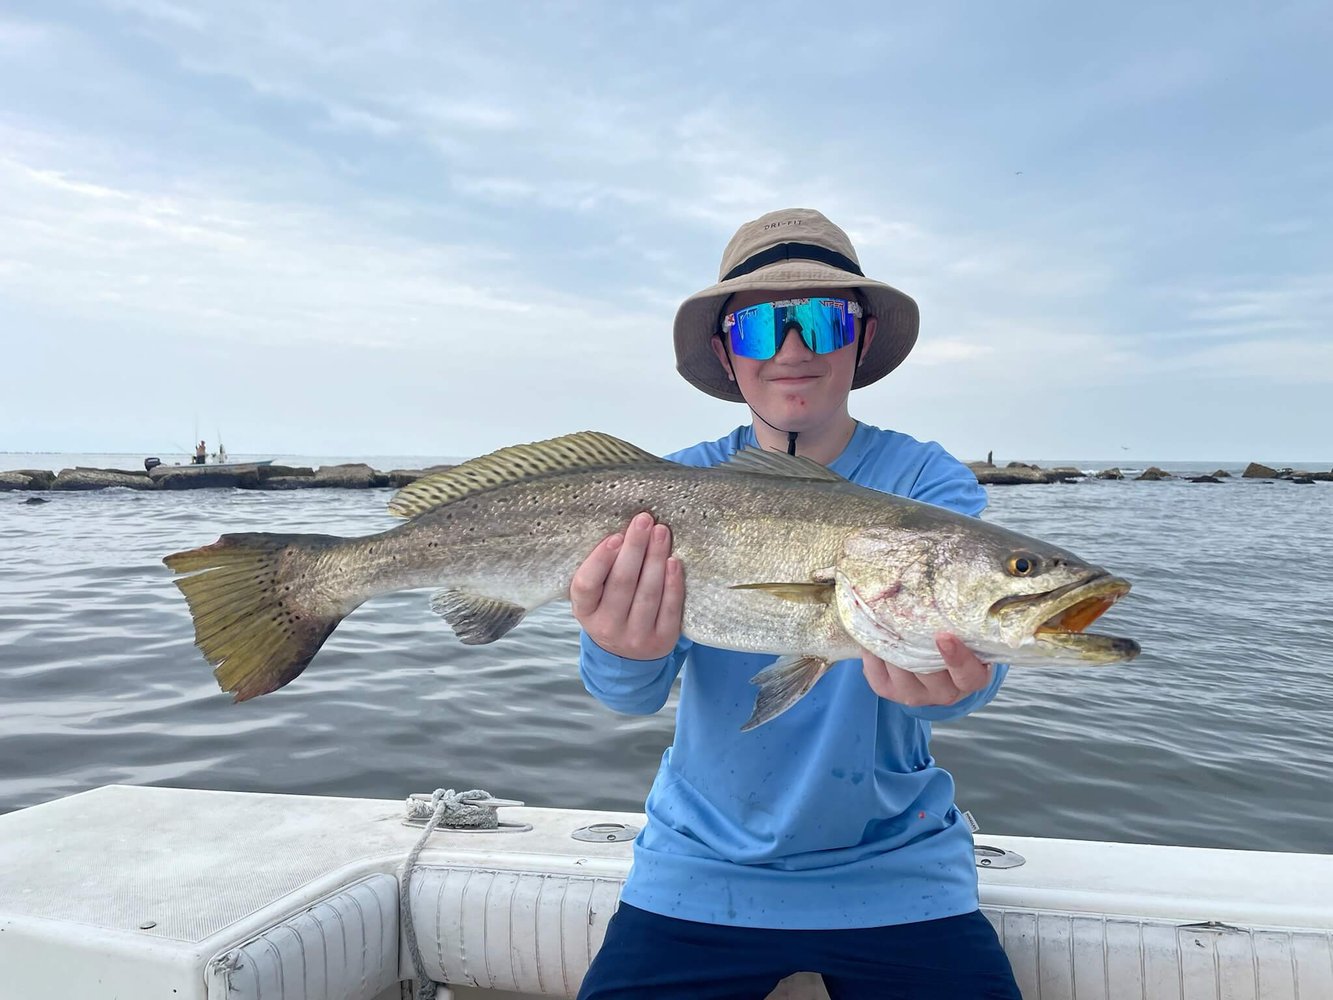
pixel 647 955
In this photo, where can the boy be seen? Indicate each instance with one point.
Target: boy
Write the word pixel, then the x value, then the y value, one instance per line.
pixel 825 840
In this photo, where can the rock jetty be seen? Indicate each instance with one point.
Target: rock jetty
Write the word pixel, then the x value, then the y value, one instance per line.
pixel 359 476
pixel 1021 474
pixel 99 479
pixel 26 479
pixel 196 477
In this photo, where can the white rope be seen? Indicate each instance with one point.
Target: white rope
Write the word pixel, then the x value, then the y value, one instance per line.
pixel 474 810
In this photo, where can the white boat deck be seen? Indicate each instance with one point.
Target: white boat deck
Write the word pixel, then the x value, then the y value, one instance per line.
pixel 153 892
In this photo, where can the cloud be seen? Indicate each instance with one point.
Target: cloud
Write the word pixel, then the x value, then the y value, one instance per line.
pixel 356 120
pixel 1278 361
pixel 1293 302
pixel 174 14
pixel 227 268
pixel 950 351
pixel 17 37
pixel 353 182
pixel 434 111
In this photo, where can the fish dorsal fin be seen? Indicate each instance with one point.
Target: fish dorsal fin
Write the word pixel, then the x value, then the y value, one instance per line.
pixel 777 463
pixel 584 450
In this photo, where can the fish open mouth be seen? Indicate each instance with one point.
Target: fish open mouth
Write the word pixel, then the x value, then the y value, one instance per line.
pixel 1082 613
pixel 1071 609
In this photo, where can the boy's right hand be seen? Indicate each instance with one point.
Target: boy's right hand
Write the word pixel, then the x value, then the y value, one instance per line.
pixel 629 594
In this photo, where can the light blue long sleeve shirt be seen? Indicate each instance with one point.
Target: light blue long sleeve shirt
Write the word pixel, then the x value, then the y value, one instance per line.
pixel 832 815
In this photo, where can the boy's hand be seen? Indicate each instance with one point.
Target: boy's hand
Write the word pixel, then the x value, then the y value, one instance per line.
pixel 629 594
pixel 962 675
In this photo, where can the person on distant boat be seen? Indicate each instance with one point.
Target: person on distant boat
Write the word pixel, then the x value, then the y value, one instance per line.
pixel 826 840
pixel 200 453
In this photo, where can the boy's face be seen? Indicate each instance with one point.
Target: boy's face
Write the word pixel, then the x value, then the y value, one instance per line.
pixel 796 389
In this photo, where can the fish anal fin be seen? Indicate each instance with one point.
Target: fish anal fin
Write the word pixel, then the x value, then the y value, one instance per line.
pixel 584 450
pixel 476 620
pixel 782 685
pixel 816 592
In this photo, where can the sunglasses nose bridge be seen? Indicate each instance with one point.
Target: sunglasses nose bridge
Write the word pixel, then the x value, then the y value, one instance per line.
pixel 790 328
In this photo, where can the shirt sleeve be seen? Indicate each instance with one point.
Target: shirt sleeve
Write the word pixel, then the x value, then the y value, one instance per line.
pixel 947 482
pixel 631 687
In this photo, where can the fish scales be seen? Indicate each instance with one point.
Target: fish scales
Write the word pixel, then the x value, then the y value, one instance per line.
pixel 780 556
pixel 523 542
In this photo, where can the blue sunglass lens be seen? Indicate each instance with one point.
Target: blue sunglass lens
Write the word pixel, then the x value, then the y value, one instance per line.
pixel 826 325
pixel 752 332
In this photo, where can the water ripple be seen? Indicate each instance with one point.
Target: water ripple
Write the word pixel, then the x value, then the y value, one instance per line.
pixel 1216 736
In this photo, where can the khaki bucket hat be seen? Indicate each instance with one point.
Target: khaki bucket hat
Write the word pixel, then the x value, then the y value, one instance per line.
pixel 791 248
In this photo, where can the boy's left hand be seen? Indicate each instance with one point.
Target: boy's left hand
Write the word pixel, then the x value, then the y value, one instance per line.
pixel 963 674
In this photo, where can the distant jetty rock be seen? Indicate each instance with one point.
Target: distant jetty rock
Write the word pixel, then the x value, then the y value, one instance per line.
pixel 197 477
pixel 1023 474
pixel 360 477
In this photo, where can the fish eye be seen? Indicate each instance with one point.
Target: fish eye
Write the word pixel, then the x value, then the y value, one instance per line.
pixel 1023 564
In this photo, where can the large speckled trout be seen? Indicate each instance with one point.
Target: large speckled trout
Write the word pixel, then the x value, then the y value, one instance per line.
pixel 780 556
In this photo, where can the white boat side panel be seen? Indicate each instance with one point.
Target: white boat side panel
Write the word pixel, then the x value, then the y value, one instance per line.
pixel 344 947
pixel 142 885
pixel 531 932
pixel 494 928
pixel 1122 948
pixel 1314 964
pixel 1056 968
pixel 1066 956
pixel 1088 958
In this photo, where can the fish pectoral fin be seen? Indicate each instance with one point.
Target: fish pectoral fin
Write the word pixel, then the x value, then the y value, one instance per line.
pixel 817 592
pixel 782 685
pixel 475 619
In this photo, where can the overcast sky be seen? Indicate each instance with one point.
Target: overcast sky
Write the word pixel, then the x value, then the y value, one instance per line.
pixel 434 228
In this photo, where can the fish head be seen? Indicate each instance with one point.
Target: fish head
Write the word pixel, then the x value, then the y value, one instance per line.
pixel 1008 597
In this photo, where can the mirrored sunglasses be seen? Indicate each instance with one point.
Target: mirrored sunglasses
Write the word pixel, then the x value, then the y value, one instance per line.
pixel 825 325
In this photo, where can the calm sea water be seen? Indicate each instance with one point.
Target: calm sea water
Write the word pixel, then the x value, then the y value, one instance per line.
pixel 1220 734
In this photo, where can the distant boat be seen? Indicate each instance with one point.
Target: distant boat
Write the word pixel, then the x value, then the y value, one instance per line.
pixel 224 466
pixel 190 466
pixel 217 461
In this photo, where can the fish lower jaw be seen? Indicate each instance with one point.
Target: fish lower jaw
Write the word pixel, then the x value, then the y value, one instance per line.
pixel 1055 648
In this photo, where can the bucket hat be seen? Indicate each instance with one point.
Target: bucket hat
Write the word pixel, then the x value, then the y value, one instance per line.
pixel 790 248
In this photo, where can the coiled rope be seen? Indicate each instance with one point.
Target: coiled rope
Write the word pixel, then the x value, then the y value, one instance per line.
pixel 471 810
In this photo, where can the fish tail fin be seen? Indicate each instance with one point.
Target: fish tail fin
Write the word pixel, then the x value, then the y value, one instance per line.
pixel 257 618
pixel 782 685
